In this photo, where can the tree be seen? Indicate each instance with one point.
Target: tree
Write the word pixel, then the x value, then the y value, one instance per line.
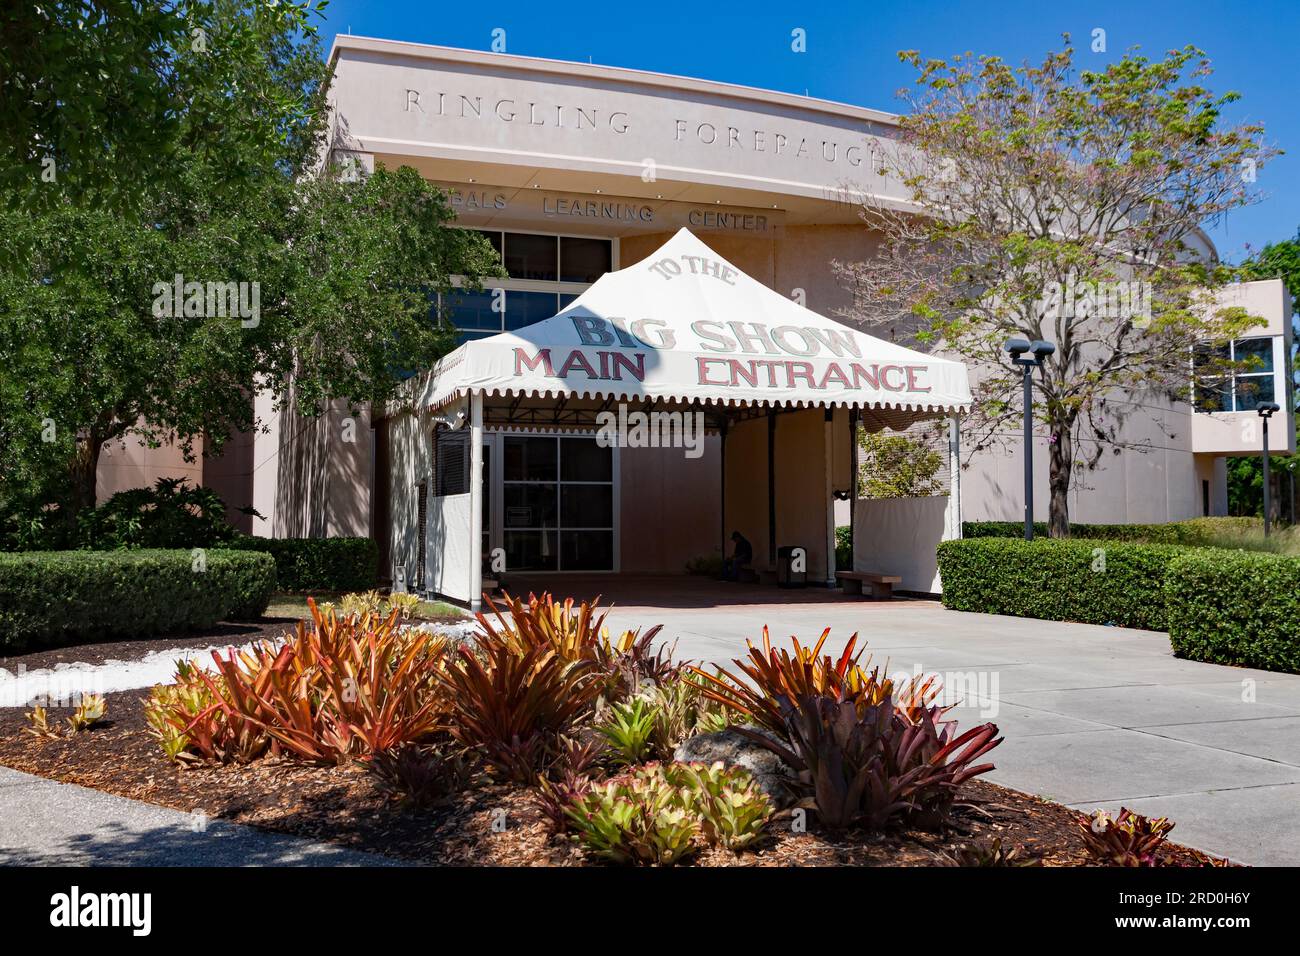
pixel 1045 203
pixel 333 277
pixel 94 91
pixel 896 466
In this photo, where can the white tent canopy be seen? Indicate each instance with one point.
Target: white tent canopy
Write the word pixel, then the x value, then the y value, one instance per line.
pixel 681 326
pixel 686 325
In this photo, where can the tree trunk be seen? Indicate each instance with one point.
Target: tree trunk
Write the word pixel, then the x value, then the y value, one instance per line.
pixel 83 470
pixel 1060 469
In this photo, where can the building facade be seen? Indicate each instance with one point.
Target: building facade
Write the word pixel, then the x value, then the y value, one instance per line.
pixel 574 170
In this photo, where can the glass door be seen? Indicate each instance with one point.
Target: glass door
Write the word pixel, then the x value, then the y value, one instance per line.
pixel 557 503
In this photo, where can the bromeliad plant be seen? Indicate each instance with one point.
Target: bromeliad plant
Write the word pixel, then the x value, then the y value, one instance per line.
pixel 867 753
pixel 1129 840
pixel 424 776
pixel 513 708
pixel 343 689
pixel 772 676
pixel 629 729
pixel 190 725
pixel 660 814
pixel 579 634
pixel 88 712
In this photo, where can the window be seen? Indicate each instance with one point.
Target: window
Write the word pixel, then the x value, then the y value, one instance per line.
pixel 546 274
pixel 529 256
pixel 1235 377
pixel 558 504
pixel 583 259
pixel 451 462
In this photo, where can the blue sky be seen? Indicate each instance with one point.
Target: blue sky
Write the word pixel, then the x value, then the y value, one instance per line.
pixel 852 47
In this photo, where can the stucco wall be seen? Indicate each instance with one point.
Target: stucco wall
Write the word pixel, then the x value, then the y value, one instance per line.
pixel 313 475
pixel 130 463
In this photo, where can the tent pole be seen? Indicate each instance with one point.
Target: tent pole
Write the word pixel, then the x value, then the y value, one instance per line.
pixel 722 490
pixel 954 476
pixel 771 487
pixel 853 489
pixel 476 502
pixel 828 446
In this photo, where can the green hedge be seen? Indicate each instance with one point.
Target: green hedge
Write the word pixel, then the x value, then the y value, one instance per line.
pixel 1096 582
pixel 319 564
pixel 1235 607
pixel 63 597
pixel 1203 531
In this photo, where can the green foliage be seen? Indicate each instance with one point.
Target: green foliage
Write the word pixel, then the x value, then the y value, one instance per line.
pixel 895 466
pixel 843 548
pixel 171 514
pixel 1233 607
pixel 1195 531
pixel 629 729
pixel 343 267
pixel 1005 162
pixel 319 564
pixel 660 814
pixel 103 90
pixel 1246 484
pixel 1095 582
pixel 63 597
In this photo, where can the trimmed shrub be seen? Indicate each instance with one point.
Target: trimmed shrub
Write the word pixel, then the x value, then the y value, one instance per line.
pixel 319 564
pixel 1203 531
pixel 1095 582
pixel 65 597
pixel 1235 607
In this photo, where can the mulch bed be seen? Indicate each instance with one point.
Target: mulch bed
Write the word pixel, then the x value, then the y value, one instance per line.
pixel 341 805
pixel 233 634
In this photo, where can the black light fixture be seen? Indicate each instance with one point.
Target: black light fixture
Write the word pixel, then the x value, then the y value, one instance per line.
pixel 1037 351
pixel 1265 410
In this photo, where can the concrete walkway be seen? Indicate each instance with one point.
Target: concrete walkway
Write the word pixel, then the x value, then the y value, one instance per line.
pixel 1093 716
pixel 45 823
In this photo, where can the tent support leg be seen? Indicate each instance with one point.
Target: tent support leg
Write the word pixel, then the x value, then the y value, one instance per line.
pixel 853 489
pixel 476 502
pixel 722 492
pixel 828 443
pixel 771 488
pixel 953 528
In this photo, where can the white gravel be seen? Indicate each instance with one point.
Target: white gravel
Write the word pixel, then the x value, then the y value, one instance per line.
pixel 63 684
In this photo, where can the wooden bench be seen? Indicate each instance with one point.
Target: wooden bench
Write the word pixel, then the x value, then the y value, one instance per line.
pixel 882 585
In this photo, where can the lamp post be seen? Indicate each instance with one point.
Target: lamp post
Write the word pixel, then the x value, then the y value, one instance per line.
pixel 1265 410
pixel 1038 350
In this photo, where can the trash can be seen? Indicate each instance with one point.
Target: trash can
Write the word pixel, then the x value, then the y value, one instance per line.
pixel 786 574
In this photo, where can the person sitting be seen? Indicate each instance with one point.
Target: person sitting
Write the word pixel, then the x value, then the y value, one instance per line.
pixel 742 556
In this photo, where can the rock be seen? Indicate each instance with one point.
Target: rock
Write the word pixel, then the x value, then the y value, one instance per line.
pixel 772 774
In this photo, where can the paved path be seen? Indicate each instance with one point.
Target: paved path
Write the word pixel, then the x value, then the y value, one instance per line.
pixel 45 823
pixel 1093 716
